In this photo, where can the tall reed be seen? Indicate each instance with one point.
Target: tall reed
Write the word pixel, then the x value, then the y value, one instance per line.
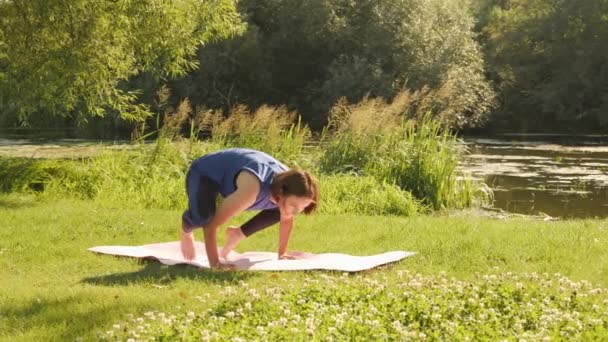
pixel 274 130
pixel 414 151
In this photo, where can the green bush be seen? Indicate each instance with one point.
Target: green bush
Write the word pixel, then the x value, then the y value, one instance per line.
pixel 366 196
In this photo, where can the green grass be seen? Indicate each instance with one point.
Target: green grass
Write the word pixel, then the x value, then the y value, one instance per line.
pixel 54 289
pixel 153 176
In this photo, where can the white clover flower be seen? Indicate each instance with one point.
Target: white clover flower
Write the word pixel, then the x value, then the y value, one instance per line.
pixel 310 322
pixel 228 290
pixel 596 321
pixel 595 291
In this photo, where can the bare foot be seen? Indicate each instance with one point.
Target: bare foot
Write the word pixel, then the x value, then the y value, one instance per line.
pixel 187 246
pixel 234 235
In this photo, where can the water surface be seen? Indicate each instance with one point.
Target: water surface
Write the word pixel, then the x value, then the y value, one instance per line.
pixel 558 175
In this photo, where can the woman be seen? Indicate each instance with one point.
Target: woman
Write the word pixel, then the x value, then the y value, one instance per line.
pixel 247 180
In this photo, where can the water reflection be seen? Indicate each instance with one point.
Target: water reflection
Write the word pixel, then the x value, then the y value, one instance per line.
pixel 61 148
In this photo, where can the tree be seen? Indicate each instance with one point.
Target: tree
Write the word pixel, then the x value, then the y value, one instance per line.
pixel 308 54
pixel 74 58
pixel 417 44
pixel 549 59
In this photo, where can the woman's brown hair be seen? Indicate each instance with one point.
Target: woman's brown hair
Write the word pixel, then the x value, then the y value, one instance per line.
pixel 296 182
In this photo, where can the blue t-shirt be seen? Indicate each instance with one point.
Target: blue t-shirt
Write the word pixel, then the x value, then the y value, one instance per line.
pixel 224 166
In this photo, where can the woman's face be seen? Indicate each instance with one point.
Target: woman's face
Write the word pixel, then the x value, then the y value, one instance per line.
pixel 292 205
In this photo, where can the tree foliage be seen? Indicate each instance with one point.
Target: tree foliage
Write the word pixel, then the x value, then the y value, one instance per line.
pixel 74 57
pixel 549 59
pixel 529 65
pixel 308 54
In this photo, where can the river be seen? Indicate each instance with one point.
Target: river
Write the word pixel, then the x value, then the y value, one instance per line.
pixel 558 175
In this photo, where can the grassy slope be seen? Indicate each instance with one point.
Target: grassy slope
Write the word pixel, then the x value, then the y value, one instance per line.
pixel 53 289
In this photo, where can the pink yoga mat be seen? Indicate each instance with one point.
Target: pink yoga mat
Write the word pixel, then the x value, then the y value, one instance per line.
pixel 169 253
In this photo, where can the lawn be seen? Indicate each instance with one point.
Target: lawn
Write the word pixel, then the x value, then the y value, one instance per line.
pixel 54 289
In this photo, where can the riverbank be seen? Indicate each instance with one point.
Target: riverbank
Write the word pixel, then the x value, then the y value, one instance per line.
pixel 539 175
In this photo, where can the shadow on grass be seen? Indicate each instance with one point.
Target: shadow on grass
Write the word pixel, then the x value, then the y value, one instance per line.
pixel 159 274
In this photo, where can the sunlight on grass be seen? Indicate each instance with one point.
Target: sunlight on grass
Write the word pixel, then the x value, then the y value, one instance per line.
pixel 54 289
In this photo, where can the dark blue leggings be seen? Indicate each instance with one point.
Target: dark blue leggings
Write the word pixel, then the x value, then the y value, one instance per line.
pixel 202 194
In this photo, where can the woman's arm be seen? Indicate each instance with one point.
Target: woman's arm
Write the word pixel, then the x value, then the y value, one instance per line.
pixel 286 224
pixel 248 187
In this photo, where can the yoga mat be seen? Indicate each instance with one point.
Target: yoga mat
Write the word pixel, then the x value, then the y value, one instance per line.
pixel 169 253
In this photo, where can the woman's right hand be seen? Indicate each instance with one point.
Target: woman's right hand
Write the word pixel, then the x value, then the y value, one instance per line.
pixel 187 246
